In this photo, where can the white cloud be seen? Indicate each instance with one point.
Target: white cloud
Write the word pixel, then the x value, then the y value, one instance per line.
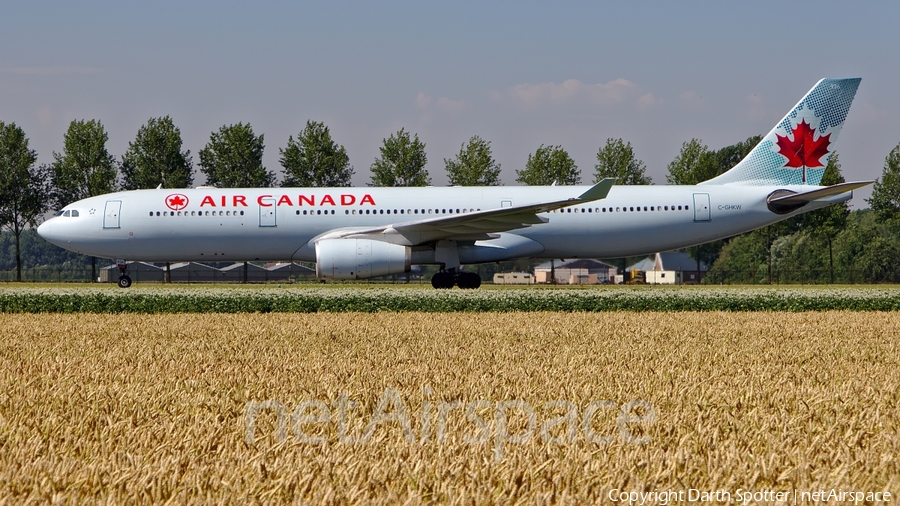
pixel 570 91
pixel 648 101
pixel 50 71
pixel 443 105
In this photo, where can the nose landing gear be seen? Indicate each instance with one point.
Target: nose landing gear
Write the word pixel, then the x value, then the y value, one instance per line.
pixel 124 280
pixel 446 279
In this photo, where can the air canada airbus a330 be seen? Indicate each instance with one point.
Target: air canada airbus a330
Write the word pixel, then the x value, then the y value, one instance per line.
pixel 358 233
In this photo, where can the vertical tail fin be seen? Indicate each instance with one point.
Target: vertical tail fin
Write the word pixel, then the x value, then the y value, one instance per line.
pixel 796 151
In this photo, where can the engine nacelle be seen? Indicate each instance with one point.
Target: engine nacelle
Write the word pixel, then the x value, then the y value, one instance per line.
pixel 360 258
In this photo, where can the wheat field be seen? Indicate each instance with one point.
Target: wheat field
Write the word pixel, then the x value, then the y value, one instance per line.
pixel 419 408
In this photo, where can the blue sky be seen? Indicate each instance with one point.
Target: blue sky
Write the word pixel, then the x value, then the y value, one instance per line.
pixel 519 74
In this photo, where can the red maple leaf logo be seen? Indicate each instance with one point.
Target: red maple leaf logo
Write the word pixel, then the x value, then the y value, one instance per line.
pixel 176 202
pixel 804 150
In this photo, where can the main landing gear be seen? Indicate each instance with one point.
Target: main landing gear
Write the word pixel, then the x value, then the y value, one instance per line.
pixel 446 279
pixel 124 280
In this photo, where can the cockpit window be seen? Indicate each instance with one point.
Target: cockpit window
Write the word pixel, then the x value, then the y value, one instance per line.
pixel 66 214
pixel 59 213
pixel 74 213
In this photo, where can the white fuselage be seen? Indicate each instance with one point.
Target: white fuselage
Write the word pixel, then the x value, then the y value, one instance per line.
pixel 278 224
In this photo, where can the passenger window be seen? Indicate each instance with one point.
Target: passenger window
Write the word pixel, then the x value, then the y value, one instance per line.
pixel 685 208
pixel 679 208
pixel 151 213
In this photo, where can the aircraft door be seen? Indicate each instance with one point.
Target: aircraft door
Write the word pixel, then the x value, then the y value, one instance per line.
pixel 267 212
pixel 701 207
pixel 111 214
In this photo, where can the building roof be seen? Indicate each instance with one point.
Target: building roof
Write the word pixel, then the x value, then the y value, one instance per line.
pixel 192 266
pixel 132 266
pixel 669 261
pixel 579 263
pixel 240 266
pixel 680 261
pixel 647 264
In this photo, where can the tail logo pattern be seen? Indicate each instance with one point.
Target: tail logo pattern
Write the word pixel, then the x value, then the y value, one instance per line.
pixel 804 150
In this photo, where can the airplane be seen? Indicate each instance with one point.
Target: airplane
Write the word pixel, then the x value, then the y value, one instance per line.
pixel 359 233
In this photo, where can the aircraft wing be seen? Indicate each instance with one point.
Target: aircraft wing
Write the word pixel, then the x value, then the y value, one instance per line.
pixel 828 191
pixel 477 225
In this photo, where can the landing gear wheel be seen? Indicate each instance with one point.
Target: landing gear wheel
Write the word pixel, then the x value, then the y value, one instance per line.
pixel 124 281
pixel 442 280
pixel 469 280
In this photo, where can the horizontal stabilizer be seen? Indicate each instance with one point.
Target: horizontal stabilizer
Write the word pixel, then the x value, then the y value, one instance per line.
pixel 828 191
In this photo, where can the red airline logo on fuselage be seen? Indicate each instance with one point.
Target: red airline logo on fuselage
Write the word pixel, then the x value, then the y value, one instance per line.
pixel 345 199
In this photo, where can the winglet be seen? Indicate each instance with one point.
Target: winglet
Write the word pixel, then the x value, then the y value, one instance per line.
pixel 598 191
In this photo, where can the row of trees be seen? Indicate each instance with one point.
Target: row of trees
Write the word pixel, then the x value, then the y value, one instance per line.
pixel 233 158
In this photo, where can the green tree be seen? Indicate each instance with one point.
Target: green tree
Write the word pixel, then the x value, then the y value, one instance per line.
pixel 155 158
pixel 474 165
pixel 729 156
pixel 829 221
pixel 885 200
pixel 691 164
pixel 84 168
pixel 314 159
pixel 549 165
pixel 24 188
pixel 616 159
pixel 402 162
pixel 233 158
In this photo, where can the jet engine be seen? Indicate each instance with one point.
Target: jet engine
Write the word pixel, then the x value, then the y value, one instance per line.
pixel 360 258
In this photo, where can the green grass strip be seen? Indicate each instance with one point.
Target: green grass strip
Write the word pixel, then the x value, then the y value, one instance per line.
pixel 151 301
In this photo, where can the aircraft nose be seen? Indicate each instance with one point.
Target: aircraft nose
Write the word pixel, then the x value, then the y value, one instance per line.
pixel 45 230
